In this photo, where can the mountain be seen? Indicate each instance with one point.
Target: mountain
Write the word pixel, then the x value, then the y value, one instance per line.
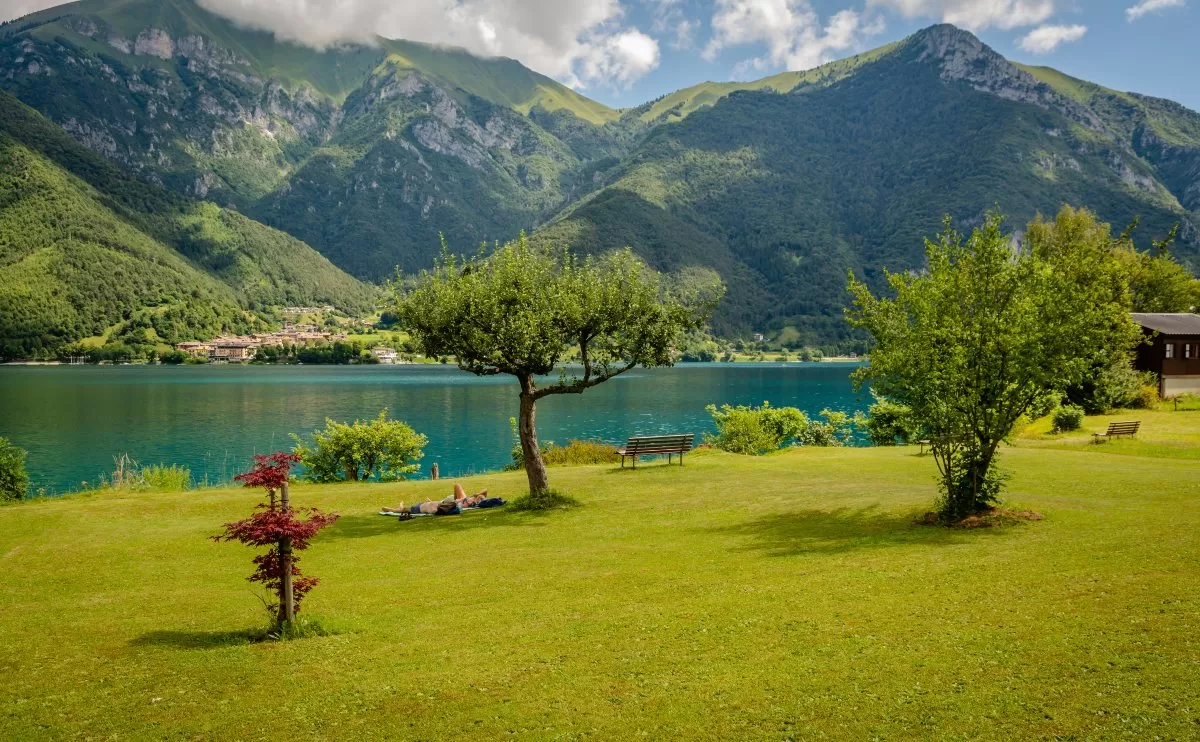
pixel 367 152
pixel 855 163
pixel 85 247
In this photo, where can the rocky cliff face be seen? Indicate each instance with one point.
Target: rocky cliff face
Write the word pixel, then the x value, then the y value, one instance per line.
pixel 182 111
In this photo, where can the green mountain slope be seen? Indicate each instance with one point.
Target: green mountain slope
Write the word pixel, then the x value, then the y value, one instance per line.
pixel 797 189
pixel 681 103
pixel 367 153
pixel 84 246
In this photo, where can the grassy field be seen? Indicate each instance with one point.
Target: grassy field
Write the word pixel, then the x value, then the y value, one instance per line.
pixel 785 597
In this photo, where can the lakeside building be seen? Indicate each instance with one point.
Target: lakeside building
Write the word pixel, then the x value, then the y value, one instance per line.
pixel 242 349
pixel 385 355
pixel 1173 351
pixel 233 351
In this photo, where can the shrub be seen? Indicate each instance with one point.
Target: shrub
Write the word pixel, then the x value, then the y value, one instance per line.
pixel 888 423
pixel 14 480
pixel 173 478
pixel 1068 417
pixel 754 431
pixel 381 448
pixel 1107 388
pixel 836 430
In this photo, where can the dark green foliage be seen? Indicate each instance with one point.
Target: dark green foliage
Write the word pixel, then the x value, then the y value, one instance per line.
pixel 86 250
pixel 1068 417
pixel 14 480
pixel 1111 386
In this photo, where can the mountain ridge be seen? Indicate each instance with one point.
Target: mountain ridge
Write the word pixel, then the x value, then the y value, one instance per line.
pixel 782 184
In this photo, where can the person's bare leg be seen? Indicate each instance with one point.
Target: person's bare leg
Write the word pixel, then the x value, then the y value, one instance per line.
pixel 459 492
pixel 481 493
pixel 393 510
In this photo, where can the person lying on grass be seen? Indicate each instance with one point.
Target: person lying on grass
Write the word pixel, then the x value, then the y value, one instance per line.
pixel 455 503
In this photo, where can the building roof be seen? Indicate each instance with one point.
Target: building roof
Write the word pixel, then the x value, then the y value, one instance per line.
pixel 1169 324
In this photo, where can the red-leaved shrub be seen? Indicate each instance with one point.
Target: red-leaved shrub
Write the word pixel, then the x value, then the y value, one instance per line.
pixel 277 526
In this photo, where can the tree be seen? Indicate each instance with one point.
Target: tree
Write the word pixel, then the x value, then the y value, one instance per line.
pixel 969 345
pixel 520 309
pixel 276 526
pixel 380 448
pixel 14 480
pixel 1157 282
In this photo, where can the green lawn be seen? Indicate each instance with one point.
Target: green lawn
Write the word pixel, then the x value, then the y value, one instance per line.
pixel 785 597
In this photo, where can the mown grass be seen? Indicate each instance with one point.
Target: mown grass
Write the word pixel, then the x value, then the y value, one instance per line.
pixel 1164 432
pixel 783 597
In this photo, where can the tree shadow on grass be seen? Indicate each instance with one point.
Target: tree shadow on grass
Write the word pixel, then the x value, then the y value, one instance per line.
pixel 843 530
pixel 373 524
pixel 198 639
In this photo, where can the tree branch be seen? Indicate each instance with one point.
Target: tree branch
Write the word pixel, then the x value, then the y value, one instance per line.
pixel 580 386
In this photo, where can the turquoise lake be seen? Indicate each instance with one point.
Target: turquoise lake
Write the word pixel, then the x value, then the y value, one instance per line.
pixel 74 419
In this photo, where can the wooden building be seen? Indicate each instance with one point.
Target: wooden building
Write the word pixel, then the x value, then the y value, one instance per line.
pixel 1173 351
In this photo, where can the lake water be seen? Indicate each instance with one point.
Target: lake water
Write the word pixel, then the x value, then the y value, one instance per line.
pixel 74 419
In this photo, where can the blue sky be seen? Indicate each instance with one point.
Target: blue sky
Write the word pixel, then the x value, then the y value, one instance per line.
pixel 1156 53
pixel 625 52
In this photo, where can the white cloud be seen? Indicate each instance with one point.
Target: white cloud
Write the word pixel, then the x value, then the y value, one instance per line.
pixel 577 41
pixel 620 58
pixel 790 30
pixel 1150 6
pixel 975 14
pixel 1045 39
pixel 580 42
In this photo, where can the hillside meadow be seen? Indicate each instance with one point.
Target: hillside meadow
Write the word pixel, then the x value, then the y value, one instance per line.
pixel 783 597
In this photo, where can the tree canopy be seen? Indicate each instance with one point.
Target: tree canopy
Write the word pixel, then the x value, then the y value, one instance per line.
pixel 970 344
pixel 520 309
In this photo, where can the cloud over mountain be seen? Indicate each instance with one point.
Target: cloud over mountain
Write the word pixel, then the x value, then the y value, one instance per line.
pixel 581 42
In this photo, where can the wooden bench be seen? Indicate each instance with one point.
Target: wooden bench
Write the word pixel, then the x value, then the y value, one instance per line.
pixel 655 445
pixel 1116 430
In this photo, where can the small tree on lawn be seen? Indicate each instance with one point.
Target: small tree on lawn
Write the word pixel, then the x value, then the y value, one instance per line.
pixel 971 344
pixel 277 526
pixel 520 309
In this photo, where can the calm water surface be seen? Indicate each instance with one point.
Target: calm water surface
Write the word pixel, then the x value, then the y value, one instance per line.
pixel 73 419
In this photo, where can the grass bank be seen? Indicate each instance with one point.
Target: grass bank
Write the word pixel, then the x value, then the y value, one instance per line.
pixel 784 597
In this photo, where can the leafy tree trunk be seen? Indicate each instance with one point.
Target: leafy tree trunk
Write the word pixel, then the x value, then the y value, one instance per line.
pixel 287 598
pixel 535 468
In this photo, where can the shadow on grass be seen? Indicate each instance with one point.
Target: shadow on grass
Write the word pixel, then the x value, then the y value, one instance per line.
pixel 373 524
pixel 843 530
pixel 198 639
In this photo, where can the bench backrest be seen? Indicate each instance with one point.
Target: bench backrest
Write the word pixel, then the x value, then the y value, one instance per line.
pixel 1126 428
pixel 660 444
